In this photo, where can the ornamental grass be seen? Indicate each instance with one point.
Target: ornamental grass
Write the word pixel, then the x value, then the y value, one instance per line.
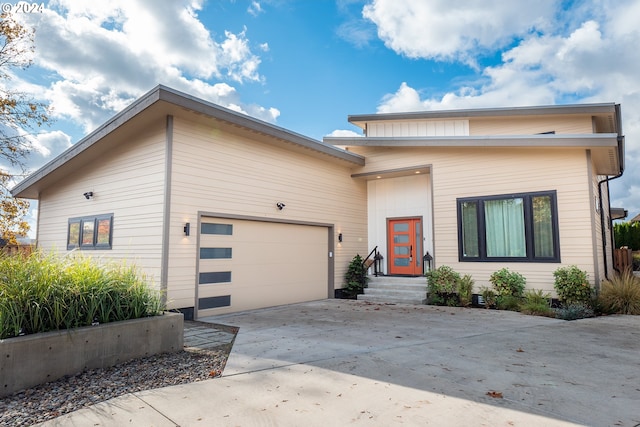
pixel 621 293
pixel 40 293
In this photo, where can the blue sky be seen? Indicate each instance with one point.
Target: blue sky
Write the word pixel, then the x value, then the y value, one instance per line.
pixel 307 64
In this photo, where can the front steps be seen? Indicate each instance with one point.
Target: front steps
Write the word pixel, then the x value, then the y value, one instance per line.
pixel 396 290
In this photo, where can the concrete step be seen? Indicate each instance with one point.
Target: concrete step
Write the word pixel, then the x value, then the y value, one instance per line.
pixel 395 289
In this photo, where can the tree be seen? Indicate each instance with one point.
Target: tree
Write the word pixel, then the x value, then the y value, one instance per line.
pixel 20 116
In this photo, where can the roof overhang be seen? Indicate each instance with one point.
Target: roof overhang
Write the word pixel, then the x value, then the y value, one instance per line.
pixel 162 101
pixel 603 110
pixel 604 147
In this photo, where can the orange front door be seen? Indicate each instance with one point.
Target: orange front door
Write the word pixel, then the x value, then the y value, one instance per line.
pixel 405 246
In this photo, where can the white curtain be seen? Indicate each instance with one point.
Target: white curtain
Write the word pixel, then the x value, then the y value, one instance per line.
pixel 504 223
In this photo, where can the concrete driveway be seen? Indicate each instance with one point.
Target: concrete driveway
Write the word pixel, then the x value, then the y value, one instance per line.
pixel 338 362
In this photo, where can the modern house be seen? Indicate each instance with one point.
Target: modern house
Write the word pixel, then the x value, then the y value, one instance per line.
pixel 226 213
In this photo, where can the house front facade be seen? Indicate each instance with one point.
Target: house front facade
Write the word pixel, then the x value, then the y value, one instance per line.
pixel 225 213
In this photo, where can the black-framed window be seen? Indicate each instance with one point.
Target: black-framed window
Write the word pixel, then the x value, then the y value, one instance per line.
pixel 90 232
pixel 511 227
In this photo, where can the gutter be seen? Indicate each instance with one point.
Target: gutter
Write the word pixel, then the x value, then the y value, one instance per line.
pixel 620 140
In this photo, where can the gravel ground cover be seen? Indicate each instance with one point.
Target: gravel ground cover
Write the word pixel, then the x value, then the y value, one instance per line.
pixel 48 401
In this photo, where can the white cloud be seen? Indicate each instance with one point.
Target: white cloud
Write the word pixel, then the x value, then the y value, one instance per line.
pixel 255 8
pixel 344 133
pixel 454 29
pixel 101 56
pixel 596 60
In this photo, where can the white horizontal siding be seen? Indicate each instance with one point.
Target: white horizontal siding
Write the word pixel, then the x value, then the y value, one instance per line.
pixel 128 181
pixel 219 170
pixel 531 125
pixel 458 173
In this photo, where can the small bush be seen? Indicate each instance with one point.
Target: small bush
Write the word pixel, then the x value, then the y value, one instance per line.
pixel 356 276
pixel 443 280
pixel 574 311
pixel 537 303
pixel 465 290
pixel 621 294
pixel 508 283
pixel 489 297
pixel 508 302
pixel 572 286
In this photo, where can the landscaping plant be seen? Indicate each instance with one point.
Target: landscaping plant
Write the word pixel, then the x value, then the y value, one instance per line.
pixel 442 286
pixel 508 283
pixel 40 293
pixel 488 296
pixel 537 303
pixel 621 294
pixel 572 286
pixel 356 276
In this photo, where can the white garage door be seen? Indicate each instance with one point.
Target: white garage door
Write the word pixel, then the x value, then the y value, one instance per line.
pixel 244 265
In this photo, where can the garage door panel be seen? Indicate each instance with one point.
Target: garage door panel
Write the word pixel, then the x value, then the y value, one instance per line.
pixel 271 264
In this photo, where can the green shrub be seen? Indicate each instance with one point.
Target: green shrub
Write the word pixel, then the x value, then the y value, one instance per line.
pixel 537 303
pixel 489 296
pixel 508 302
pixel 465 290
pixel 40 293
pixel 572 286
pixel 621 294
pixel 574 311
pixel 508 283
pixel 447 287
pixel 356 276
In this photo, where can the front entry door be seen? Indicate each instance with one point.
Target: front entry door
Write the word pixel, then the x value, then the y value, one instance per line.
pixel 405 246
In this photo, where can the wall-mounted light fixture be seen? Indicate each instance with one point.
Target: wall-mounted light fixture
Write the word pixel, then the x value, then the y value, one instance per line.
pixel 427 261
pixel 88 195
pixel 340 237
pixel 187 229
pixel 280 205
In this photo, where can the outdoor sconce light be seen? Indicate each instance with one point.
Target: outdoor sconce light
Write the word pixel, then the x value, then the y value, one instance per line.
pixel 340 237
pixel 187 229
pixel 427 259
pixel 280 205
pixel 88 195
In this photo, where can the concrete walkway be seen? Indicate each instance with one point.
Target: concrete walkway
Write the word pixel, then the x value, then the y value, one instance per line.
pixel 338 362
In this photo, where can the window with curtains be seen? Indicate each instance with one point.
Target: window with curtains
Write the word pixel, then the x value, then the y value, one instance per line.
pixel 514 227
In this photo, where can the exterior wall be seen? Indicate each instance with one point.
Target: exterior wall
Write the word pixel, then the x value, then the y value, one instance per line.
pixel 458 173
pixel 418 128
pixel 127 181
pixel 531 125
pixel 395 198
pixel 220 169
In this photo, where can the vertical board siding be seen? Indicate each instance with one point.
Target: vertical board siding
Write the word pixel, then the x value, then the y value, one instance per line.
pixel 418 128
pixel 458 173
pixel 127 181
pixel 223 170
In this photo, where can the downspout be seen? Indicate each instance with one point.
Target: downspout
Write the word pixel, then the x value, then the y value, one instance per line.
pixel 607 180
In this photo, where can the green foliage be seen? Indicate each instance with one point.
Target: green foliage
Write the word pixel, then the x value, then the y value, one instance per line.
pixel 447 287
pixel 508 302
pixel 627 234
pixel 621 294
pixel 537 303
pixel 508 283
pixel 465 290
pixel 355 279
pixel 572 286
pixel 489 296
pixel 40 293
pixel 574 311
